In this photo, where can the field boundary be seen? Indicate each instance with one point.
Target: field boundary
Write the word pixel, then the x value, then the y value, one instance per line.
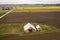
pixel 45 10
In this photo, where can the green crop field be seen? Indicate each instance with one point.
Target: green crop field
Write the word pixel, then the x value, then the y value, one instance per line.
pixel 17 28
pixel 3 12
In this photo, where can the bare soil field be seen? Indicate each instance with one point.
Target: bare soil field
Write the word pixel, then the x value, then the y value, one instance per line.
pixel 50 18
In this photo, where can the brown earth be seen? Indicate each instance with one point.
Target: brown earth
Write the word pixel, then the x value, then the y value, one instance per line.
pixel 49 18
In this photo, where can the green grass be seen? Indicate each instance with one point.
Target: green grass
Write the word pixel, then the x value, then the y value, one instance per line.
pixel 3 12
pixel 17 28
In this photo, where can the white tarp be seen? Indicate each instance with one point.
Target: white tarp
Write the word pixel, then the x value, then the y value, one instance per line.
pixel 38 27
pixel 28 25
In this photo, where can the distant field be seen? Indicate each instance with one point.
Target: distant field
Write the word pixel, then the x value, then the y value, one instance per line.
pixel 38 8
pixel 3 12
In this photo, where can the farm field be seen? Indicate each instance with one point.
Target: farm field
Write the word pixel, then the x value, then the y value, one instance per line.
pixel 17 29
pixel 48 19
pixel 38 8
